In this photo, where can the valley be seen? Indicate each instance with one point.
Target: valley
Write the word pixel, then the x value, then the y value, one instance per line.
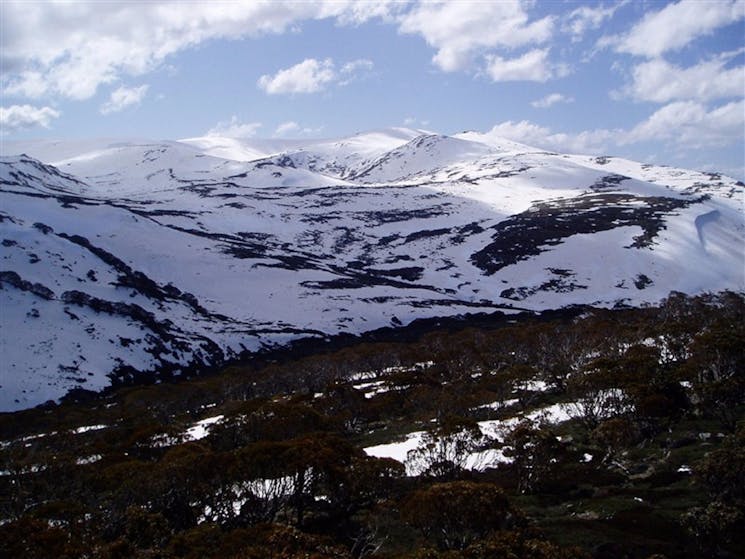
pixel 163 258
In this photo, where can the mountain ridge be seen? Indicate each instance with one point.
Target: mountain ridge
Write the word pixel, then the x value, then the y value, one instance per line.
pixel 164 256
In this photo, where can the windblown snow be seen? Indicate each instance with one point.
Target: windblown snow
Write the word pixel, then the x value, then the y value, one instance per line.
pixel 121 258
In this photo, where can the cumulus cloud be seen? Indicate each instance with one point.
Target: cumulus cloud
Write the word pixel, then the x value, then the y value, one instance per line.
pixel 461 30
pixel 530 133
pixel 551 100
pixel 411 121
pixel 309 76
pixel 312 76
pixel 124 97
pixel 292 128
pixel 582 19
pixel 361 64
pixel 286 128
pixel 532 66
pixel 354 70
pixel 660 81
pixel 691 124
pixel 21 117
pixel 356 12
pixel 676 25
pixel 70 49
pixel 683 125
pixel 234 128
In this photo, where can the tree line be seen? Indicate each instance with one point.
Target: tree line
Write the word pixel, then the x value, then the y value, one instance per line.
pixel 648 463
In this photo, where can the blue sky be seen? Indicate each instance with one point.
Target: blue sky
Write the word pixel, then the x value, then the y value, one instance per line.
pixel 662 82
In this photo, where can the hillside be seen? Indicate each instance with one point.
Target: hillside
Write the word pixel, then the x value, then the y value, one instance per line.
pixel 595 433
pixel 160 259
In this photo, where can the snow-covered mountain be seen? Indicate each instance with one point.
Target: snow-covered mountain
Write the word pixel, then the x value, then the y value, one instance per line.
pixel 119 258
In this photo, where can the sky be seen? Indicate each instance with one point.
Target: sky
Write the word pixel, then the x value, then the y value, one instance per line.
pixel 654 81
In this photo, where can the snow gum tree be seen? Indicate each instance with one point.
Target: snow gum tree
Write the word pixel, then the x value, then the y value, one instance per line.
pixel 445 448
pixel 454 515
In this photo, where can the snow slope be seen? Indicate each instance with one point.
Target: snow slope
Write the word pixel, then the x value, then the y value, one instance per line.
pixel 125 258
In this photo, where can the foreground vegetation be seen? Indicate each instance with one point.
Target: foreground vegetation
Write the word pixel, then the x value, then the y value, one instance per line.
pixel 647 460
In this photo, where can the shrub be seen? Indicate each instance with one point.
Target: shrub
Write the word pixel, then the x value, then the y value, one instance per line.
pixel 456 514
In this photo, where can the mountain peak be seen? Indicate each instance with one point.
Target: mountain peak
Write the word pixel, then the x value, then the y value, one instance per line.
pixel 137 259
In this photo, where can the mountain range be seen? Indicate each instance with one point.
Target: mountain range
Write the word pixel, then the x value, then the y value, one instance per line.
pixel 139 257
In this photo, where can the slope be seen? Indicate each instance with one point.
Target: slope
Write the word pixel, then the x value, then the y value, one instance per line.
pixel 130 259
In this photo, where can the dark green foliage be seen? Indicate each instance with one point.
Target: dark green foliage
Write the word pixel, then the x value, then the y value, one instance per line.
pixel 536 455
pixel 29 537
pixel 716 526
pixel 614 436
pixel 457 514
pixel 722 471
pixel 722 520
pixel 652 393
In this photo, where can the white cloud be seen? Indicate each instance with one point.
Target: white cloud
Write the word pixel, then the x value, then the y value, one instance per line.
pixel 676 25
pixel 691 124
pixel 124 97
pixel 287 128
pixel 588 141
pixel 309 76
pixel 312 76
pixel 584 18
pixel 358 12
pixel 361 64
pixel 412 122
pixel 20 117
pixel 460 30
pixel 551 100
pixel 660 81
pixel 355 69
pixel 532 66
pixel 70 49
pixel 26 83
pixel 233 128
pixel 684 125
pixel 292 128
